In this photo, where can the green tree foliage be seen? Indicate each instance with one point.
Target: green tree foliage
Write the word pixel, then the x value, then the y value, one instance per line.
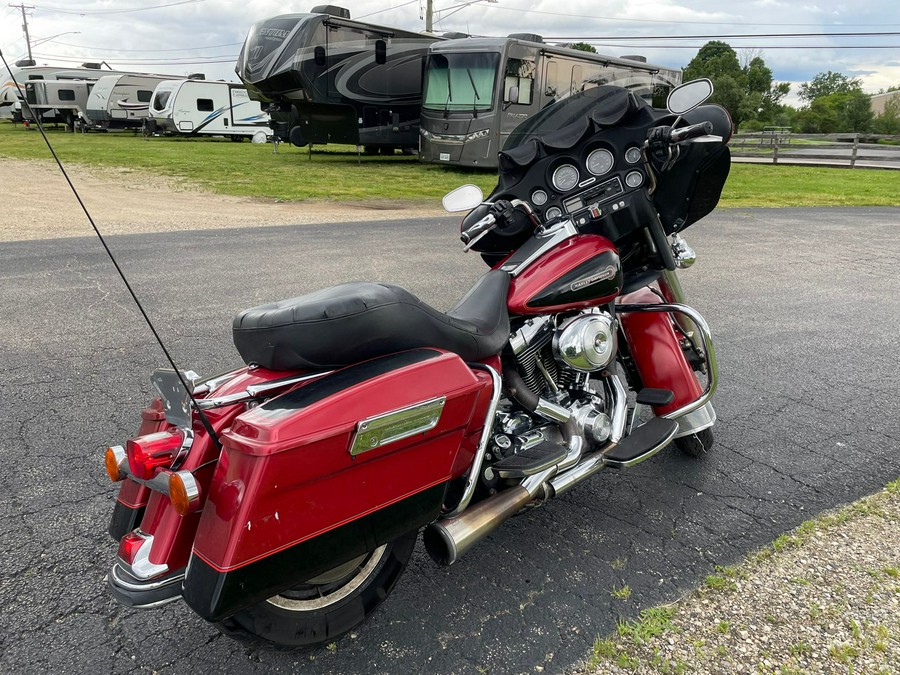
pixel 583 47
pixel 825 84
pixel 747 92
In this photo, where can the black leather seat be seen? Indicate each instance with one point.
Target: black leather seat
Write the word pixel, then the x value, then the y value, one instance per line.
pixel 356 321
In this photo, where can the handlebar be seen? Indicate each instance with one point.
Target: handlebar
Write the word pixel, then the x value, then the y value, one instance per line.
pixel 692 131
pixel 477 230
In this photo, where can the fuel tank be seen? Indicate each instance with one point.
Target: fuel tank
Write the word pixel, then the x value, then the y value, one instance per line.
pixel 585 271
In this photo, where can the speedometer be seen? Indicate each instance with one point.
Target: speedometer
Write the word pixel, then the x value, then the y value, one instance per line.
pixel 600 161
pixel 565 177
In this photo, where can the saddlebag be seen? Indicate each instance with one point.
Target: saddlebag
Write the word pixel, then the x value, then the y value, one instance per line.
pixel 330 471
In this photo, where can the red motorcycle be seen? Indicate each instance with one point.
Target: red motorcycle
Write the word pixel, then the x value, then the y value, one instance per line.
pixel 283 500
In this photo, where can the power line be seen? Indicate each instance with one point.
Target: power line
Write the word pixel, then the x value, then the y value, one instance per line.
pixel 147 51
pixel 677 22
pixel 141 62
pixel 386 9
pixel 84 12
pixel 619 45
pixel 735 36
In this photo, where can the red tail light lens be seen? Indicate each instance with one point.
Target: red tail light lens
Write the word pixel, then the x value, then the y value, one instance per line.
pixel 129 545
pixel 148 453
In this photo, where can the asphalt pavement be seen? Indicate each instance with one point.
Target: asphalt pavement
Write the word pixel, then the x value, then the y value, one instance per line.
pixel 804 305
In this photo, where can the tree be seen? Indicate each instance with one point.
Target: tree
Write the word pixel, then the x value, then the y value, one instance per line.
pixel 825 84
pixel 747 91
pixel 583 47
pixel 838 112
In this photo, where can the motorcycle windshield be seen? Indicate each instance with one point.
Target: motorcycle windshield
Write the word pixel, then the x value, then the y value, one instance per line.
pixel 562 124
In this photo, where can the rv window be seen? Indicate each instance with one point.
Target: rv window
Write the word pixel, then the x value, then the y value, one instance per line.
pixel 205 105
pixel 551 81
pixel 160 100
pixel 144 95
pixel 35 77
pixel 460 82
pixel 66 94
pixel 380 51
pixel 520 74
pixel 319 53
pixel 577 80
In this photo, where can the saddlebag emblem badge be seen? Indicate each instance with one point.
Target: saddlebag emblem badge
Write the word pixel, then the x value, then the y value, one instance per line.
pixel 380 430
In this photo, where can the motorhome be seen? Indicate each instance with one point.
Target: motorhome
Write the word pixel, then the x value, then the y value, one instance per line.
pixel 56 101
pixel 477 90
pixel 122 101
pixel 327 79
pixel 9 94
pixel 206 107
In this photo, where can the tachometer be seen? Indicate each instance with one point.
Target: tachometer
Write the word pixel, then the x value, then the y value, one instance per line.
pixel 600 161
pixel 565 177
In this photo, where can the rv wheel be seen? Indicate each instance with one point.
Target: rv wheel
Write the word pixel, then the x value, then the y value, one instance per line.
pixel 322 609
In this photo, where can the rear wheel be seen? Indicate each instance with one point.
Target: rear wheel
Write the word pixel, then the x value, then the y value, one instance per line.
pixel 324 608
pixel 696 445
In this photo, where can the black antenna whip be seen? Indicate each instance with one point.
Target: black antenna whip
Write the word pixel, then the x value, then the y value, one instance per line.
pixel 203 418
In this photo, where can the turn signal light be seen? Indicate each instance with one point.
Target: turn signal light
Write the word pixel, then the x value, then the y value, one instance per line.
pixel 184 493
pixel 115 463
pixel 148 453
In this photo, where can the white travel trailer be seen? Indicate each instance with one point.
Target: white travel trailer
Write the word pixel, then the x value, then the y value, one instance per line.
pixel 122 101
pixel 206 107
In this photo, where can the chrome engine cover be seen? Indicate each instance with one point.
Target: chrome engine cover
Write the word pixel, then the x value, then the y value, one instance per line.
pixel 586 343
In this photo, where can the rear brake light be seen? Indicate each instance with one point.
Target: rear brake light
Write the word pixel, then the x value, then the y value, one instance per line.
pixel 148 453
pixel 129 545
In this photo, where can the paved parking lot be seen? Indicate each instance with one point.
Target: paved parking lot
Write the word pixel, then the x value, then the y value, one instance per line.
pixel 804 305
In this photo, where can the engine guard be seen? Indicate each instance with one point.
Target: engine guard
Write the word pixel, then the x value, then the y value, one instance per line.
pixel 661 362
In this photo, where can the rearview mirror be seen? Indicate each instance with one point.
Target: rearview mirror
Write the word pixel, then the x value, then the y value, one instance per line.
pixel 463 198
pixel 688 96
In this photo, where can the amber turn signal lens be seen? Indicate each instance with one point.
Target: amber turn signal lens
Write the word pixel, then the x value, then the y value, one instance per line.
pixel 184 493
pixel 115 459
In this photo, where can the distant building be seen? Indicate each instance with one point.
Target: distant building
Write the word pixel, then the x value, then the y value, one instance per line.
pixel 879 101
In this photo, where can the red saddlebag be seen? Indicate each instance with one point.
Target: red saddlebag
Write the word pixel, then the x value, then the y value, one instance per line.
pixel 330 471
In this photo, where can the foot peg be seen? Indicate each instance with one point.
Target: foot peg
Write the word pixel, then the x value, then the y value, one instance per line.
pixel 531 460
pixel 642 443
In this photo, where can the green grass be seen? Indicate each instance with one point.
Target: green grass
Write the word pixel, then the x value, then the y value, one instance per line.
pixel 247 170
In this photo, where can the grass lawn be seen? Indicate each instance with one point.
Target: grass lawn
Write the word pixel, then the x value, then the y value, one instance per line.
pixel 332 173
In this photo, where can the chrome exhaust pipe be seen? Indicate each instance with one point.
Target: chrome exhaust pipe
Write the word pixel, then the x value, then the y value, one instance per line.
pixel 447 540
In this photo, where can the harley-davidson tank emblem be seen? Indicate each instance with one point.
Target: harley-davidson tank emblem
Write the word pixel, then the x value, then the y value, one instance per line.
pixel 607 273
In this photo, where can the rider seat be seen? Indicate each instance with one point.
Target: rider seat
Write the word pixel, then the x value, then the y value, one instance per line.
pixel 356 321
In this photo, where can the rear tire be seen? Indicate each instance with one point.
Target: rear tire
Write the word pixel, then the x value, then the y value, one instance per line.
pixel 323 609
pixel 696 445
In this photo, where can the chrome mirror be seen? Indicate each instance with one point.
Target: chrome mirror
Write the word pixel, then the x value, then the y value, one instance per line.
pixel 688 96
pixel 463 198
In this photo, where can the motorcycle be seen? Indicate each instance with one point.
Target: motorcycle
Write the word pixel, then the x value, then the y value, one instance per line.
pixel 282 500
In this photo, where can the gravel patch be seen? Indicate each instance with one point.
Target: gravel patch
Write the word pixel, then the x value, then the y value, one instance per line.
pixel 40 205
pixel 824 598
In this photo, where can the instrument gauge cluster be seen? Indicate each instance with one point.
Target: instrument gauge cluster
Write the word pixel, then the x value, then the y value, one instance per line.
pixel 600 161
pixel 565 177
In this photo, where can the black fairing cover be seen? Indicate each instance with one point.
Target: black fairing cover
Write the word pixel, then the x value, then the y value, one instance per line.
pixel 699 176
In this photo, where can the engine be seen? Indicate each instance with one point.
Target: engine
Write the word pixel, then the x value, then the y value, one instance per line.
pixel 558 359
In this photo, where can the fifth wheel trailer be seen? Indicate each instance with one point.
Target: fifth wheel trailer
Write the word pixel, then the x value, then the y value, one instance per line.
pixel 327 79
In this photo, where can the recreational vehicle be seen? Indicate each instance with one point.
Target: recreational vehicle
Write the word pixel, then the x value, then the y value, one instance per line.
pixel 56 101
pixel 327 79
pixel 206 107
pixel 477 90
pixel 122 101
pixel 9 95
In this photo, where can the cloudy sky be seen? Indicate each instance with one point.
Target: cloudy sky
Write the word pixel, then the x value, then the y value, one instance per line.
pixel 183 36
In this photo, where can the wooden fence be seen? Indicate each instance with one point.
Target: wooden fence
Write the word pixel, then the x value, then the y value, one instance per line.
pixel 779 146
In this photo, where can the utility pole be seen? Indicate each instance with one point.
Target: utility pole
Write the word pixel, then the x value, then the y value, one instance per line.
pixel 23 7
pixel 429 15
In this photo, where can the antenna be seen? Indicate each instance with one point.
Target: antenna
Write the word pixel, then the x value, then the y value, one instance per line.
pixel 203 418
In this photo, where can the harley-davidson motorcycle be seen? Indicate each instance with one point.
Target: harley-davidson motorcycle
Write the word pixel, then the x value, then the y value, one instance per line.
pixel 282 500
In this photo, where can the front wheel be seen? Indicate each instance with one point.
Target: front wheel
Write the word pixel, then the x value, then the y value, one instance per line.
pixel 696 445
pixel 324 608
